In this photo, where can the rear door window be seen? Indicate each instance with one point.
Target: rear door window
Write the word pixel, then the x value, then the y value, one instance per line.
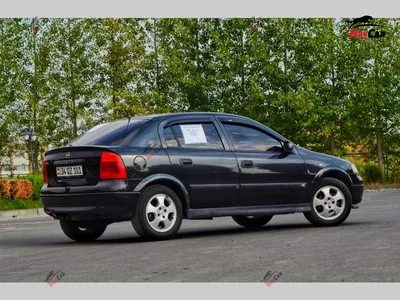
pixel 197 136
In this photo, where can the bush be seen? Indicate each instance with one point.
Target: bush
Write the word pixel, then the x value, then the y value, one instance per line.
pixel 394 167
pixel 16 189
pixel 372 173
pixel 37 182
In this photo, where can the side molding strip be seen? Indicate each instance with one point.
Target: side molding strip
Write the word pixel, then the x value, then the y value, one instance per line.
pixel 201 213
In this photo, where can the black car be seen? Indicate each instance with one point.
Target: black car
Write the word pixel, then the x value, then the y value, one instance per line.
pixel 156 170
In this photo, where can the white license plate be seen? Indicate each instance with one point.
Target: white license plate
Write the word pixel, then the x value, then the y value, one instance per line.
pixel 69 171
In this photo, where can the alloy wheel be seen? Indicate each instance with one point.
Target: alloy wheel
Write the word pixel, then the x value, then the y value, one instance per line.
pixel 329 202
pixel 161 213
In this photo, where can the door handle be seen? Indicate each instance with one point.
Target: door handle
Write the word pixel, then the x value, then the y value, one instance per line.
pixel 247 164
pixel 185 161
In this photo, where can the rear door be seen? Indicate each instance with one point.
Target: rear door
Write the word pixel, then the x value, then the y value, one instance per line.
pixel 201 159
pixel 268 176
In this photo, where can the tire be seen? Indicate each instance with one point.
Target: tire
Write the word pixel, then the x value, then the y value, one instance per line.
pixel 331 203
pixel 252 222
pixel 158 214
pixel 79 234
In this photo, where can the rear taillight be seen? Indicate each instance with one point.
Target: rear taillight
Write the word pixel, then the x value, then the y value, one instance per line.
pixel 112 166
pixel 44 171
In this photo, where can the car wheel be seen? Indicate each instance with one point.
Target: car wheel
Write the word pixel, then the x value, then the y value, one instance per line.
pixel 252 221
pixel 159 213
pixel 79 234
pixel 331 203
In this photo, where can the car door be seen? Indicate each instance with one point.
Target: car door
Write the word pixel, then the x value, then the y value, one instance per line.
pixel 268 176
pixel 201 159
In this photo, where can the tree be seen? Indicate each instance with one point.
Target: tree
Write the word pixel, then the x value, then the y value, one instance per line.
pixel 186 51
pixel 11 90
pixel 121 52
pixel 71 76
pixel 375 91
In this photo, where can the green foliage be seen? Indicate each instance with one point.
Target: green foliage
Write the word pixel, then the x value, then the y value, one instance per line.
pixel 37 182
pixel 394 168
pixel 371 173
pixel 305 78
pixel 19 204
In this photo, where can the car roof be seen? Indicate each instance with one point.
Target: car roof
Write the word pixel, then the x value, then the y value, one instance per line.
pixel 164 116
pixel 183 114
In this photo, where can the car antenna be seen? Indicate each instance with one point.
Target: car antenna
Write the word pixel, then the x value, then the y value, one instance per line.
pixel 129 119
pixel 127 114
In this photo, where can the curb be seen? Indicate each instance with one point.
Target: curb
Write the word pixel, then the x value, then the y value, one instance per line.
pixel 382 187
pixel 23 213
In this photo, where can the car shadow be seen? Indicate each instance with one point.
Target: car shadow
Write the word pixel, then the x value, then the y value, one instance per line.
pixel 190 233
pixel 184 234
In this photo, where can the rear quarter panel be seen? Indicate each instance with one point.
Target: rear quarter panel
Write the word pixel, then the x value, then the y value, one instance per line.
pixel 143 162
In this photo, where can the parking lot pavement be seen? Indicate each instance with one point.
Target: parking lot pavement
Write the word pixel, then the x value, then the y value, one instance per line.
pixel 365 248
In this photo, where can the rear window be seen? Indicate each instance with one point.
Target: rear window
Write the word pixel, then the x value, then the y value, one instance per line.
pixel 108 134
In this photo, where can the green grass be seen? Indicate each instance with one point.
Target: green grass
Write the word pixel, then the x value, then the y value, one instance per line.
pixel 19 204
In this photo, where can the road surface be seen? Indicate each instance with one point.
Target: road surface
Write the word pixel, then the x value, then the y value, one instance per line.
pixel 364 248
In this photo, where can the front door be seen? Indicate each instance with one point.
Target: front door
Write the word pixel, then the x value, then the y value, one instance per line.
pixel 203 162
pixel 268 176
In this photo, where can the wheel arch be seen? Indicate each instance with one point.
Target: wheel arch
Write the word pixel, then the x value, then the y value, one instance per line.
pixel 334 172
pixel 169 181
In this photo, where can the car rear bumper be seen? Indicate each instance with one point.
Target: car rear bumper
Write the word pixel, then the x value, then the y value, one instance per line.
pixel 112 206
pixel 357 191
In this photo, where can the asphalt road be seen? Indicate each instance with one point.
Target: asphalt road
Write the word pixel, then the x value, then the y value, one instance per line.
pixel 364 248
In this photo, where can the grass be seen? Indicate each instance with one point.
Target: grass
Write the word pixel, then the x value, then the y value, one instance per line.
pixel 19 204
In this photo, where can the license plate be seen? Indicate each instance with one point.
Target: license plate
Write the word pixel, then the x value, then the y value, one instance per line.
pixel 69 171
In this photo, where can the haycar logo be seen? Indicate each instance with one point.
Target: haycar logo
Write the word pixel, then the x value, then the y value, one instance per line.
pixel 364 21
pixel 271 277
pixel 54 277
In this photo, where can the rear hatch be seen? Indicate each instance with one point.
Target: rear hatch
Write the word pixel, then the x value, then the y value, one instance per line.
pixel 79 163
pixel 74 166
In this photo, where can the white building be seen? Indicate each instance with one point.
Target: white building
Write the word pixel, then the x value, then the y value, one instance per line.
pixel 21 166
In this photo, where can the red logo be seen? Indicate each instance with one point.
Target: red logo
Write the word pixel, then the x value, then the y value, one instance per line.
pixel 365 22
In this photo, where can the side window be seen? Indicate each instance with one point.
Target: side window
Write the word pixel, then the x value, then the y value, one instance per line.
pixel 198 136
pixel 143 136
pixel 170 138
pixel 249 139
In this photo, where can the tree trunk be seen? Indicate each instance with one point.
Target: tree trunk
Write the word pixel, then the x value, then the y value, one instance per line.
pixel 2 65
pixel 11 163
pixel 332 135
pixel 332 143
pixel 112 67
pixel 72 85
pixel 242 71
pixel 285 52
pixel 201 105
pixel 156 56
pixel 379 150
pixel 35 100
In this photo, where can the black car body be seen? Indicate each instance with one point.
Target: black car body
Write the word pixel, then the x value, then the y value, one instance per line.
pixel 216 165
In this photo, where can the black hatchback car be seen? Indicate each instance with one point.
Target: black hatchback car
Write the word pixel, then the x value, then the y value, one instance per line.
pixel 156 170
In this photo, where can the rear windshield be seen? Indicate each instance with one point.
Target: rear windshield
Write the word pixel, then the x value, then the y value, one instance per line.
pixel 108 134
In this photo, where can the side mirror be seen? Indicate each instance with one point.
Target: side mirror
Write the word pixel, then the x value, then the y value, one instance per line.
pixel 287 147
